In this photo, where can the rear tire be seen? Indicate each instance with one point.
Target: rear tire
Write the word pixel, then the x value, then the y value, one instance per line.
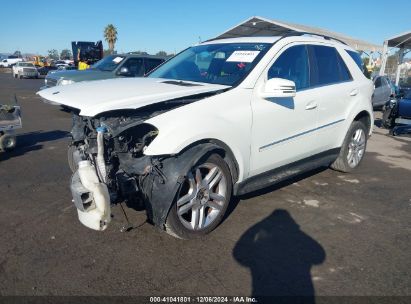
pixel 353 148
pixel 202 201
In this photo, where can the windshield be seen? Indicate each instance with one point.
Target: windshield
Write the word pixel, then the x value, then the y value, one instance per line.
pixel 25 64
pixel 225 63
pixel 109 63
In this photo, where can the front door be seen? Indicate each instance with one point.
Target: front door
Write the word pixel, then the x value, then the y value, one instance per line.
pixel 283 128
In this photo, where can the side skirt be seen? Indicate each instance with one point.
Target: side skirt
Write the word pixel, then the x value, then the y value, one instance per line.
pixel 285 172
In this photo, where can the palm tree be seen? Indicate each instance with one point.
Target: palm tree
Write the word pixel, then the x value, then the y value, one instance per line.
pixel 110 34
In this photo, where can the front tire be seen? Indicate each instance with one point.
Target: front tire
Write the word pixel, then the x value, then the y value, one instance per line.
pixel 202 200
pixel 353 149
pixel 70 158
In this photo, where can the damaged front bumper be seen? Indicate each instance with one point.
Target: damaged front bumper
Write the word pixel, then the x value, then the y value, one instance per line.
pixel 91 197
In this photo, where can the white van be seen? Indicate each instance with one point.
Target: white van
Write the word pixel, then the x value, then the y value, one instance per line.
pixel 10 61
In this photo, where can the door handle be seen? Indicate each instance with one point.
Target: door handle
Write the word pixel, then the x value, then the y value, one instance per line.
pixel 354 92
pixel 311 105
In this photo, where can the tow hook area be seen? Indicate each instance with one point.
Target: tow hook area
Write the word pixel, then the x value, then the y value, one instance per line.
pixel 91 197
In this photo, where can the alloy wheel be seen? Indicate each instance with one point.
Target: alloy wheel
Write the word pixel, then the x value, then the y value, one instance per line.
pixel 356 148
pixel 202 197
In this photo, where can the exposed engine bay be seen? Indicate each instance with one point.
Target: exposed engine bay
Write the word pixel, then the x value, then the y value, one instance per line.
pixel 107 158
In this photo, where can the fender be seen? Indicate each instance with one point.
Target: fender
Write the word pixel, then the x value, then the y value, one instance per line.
pixel 207 120
pixel 160 187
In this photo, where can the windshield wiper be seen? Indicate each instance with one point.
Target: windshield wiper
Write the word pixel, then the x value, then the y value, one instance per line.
pixel 181 83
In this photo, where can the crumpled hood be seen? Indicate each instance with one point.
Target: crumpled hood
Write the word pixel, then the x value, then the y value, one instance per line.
pixel 95 97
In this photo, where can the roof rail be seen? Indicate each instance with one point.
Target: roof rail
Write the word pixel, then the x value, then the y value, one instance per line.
pixel 290 34
pixel 293 33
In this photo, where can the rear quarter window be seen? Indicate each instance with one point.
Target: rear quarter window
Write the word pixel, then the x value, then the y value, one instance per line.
pixel 357 59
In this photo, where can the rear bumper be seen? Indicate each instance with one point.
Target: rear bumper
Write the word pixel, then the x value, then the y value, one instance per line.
pixel 91 197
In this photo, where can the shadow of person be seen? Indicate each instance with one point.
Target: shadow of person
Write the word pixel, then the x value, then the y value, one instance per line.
pixel 280 257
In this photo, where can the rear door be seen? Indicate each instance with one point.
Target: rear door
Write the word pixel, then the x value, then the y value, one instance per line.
pixel 387 90
pixel 378 97
pixel 335 89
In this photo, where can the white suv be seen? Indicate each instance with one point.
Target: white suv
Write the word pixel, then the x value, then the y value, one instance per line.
pixel 222 118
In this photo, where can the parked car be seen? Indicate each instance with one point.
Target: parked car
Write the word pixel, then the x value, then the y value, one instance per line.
pixel 397 115
pixel 63 63
pixel 223 118
pixel 126 65
pixel 63 68
pixel 405 86
pixel 384 90
pixel 25 70
pixel 46 69
pixel 10 61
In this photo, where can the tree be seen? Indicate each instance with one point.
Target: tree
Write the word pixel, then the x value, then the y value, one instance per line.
pixel 110 35
pixel 162 53
pixel 53 54
pixel 17 53
pixel 65 54
pixel 139 53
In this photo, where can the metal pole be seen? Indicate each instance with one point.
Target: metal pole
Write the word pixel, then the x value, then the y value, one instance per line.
pixel 400 58
pixel 384 58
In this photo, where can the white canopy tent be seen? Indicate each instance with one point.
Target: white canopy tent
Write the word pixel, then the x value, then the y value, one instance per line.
pixel 259 26
pixel 403 42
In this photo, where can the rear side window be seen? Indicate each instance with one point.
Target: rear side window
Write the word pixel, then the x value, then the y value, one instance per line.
pixel 378 82
pixel 150 64
pixel 134 66
pixel 292 65
pixel 327 66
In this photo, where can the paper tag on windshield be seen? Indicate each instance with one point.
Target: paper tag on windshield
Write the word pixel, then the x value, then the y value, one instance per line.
pixel 118 59
pixel 243 56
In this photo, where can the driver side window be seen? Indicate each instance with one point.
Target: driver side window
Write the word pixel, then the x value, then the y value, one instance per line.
pixel 292 65
pixel 135 67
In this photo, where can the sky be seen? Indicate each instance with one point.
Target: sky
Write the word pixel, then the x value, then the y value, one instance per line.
pixel 37 26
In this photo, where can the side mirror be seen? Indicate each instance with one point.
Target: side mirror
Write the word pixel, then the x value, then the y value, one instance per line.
pixel 124 71
pixel 278 87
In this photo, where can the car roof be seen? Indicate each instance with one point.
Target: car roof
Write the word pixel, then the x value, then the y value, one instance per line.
pixel 271 39
pixel 265 39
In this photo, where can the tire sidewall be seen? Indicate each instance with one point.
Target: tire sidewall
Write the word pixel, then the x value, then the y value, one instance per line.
pixel 344 149
pixel 173 222
pixel 70 158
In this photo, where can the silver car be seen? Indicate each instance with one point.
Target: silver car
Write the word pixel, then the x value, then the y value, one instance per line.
pixel 384 89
